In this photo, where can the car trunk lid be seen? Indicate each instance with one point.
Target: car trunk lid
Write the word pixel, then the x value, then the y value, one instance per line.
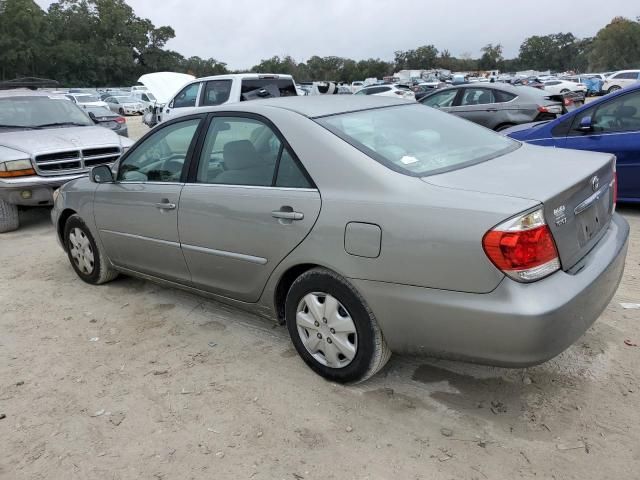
pixel 575 189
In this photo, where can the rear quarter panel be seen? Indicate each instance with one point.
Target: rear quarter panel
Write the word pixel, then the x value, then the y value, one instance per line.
pixel 431 236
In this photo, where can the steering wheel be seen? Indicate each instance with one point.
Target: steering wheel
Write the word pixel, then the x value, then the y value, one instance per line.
pixel 172 168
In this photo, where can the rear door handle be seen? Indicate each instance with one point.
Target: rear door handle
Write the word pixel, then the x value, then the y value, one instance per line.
pixel 287 215
pixel 166 205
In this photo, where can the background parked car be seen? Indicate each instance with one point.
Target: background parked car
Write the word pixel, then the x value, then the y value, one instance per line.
pixel 46 141
pixel 147 99
pixel 610 124
pixel 388 90
pixel 357 85
pixel 621 79
pixel 494 105
pixel 86 100
pixel 223 89
pixel 106 118
pixel 557 86
pixel 125 105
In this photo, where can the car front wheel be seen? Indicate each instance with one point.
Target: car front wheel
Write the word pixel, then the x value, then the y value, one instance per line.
pixel 614 88
pixel 88 261
pixel 9 219
pixel 333 329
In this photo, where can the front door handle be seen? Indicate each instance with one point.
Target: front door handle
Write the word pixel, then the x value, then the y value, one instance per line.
pixel 166 205
pixel 287 214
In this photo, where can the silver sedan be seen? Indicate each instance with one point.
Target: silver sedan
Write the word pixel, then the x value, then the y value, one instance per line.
pixel 367 225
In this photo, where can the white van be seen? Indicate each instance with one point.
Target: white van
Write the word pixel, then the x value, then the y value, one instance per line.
pixel 221 89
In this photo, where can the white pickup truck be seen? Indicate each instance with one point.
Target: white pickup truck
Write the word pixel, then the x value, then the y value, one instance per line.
pixel 221 89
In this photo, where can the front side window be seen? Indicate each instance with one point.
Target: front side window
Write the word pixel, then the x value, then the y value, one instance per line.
pixel 216 92
pixel 246 151
pixel 161 157
pixel 187 97
pixel 417 141
pixel 442 99
pixel 477 96
pixel 622 114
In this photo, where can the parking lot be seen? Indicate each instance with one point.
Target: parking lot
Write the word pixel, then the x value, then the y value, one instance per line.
pixel 132 380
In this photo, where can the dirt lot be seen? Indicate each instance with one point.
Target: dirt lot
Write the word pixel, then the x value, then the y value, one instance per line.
pixel 134 381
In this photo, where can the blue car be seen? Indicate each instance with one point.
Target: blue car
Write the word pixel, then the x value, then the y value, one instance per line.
pixel 610 124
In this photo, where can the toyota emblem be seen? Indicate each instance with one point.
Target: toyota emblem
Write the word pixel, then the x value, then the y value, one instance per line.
pixel 595 183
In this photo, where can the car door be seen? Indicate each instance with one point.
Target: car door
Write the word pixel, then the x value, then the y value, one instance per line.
pixel 478 105
pixel 137 215
pixel 184 102
pixel 247 205
pixel 615 128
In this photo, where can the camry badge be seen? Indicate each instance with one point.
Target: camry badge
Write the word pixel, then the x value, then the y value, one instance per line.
pixel 595 183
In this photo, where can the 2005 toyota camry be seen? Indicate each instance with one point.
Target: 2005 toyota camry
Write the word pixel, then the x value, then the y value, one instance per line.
pixel 368 225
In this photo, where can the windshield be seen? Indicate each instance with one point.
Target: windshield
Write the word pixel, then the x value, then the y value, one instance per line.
pixel 87 98
pixel 29 112
pixel 417 140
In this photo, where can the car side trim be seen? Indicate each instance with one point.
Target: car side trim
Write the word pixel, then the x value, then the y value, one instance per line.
pixel 224 253
pixel 140 237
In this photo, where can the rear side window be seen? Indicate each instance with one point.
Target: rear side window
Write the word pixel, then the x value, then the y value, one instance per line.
pixel 216 92
pixel 417 141
pixel 246 151
pixel 256 88
pixel 503 97
pixel 477 96
pixel 626 76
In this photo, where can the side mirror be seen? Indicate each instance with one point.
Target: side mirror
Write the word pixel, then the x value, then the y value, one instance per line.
pixel 101 174
pixel 586 124
pixel 92 116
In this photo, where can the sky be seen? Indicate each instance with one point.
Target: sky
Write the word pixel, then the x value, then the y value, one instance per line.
pixel 242 32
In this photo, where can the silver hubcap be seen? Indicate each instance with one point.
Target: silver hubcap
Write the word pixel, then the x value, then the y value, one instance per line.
pixel 81 251
pixel 327 330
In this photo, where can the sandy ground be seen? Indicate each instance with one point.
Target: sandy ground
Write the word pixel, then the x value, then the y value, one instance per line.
pixel 134 381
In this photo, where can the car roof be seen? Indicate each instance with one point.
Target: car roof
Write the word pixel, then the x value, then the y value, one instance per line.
pixel 248 76
pixel 25 92
pixel 313 106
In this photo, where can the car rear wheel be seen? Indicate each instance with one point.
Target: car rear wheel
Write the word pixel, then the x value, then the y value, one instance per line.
pixel 88 261
pixel 614 88
pixel 333 329
pixel 564 90
pixel 9 220
pixel 121 111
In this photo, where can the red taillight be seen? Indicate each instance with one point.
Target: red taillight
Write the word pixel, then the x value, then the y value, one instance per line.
pixel 523 248
pixel 121 120
pixel 568 102
pixel 543 109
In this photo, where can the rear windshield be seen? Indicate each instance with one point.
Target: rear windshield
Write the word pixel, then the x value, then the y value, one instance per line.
pixel 417 140
pixel 256 88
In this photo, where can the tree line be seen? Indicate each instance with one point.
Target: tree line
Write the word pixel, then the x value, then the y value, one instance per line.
pixel 104 43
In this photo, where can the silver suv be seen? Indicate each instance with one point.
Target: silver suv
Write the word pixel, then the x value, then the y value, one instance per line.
pixel 45 141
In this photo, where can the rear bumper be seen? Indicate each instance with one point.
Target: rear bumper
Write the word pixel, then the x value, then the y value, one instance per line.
pixel 40 188
pixel 516 325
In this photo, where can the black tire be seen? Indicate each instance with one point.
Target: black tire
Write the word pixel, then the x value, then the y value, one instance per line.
pixel 9 219
pixel 565 90
pixel 615 88
pixel 372 352
pixel 504 126
pixel 102 271
pixel 121 111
